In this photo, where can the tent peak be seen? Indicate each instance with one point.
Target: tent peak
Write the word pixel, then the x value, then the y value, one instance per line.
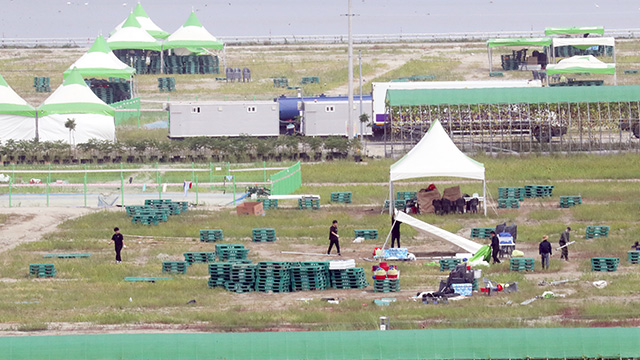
pixel 74 78
pixel 139 11
pixel 192 20
pixel 131 21
pixel 100 45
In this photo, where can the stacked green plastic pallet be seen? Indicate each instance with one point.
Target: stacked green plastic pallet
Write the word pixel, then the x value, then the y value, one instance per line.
pixel 481 232
pixel 633 257
pixel 42 270
pixel 532 191
pixel 178 267
pixel 263 235
pixel 341 197
pixel 511 193
pixel 367 234
pixel 596 232
pixel 399 204
pixel 406 195
pixel 308 203
pixel 522 264
pixel 273 276
pixel 42 84
pixel 268 203
pixel 309 276
pixel 449 264
pixel 569 201
pixel 231 252
pixel 604 264
pixel 353 278
pixel 167 84
pixel 239 278
pixel 386 285
pixel 203 257
pixel 508 204
pixel 211 235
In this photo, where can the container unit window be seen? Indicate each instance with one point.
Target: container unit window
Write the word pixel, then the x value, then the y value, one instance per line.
pixel 195 110
pixel 329 108
pixel 252 109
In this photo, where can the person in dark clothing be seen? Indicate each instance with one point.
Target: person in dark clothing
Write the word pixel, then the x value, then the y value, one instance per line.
pixel 545 250
pixel 395 231
pixel 495 247
pixel 334 238
pixel 118 240
pixel 564 240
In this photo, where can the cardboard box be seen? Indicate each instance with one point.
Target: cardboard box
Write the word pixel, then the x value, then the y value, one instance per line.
pixel 250 208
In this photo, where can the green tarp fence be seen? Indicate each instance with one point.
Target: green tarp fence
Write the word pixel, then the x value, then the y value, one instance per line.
pixel 537 95
pixel 286 181
pixel 127 109
pixel 555 343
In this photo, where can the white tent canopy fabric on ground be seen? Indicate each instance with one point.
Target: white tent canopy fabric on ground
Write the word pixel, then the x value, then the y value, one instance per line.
pixel 582 64
pixel 434 231
pixel 145 23
pixel 100 61
pixel 132 36
pixel 436 156
pixel 17 117
pixel 74 100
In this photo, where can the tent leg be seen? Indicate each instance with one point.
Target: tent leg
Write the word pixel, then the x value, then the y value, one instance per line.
pixel 489 52
pixel 391 202
pixel 484 196
pixel 161 61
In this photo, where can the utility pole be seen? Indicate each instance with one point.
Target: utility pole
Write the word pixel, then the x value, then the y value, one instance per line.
pixel 360 121
pixel 350 127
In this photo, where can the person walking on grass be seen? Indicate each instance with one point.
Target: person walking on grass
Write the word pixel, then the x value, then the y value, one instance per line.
pixel 495 247
pixel 334 238
pixel 118 240
pixel 545 251
pixel 564 240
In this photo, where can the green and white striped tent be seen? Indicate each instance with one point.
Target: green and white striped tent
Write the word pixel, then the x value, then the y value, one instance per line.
pixel 74 100
pixel 190 37
pixel 100 61
pixel 17 117
pixel 146 23
pixel 132 36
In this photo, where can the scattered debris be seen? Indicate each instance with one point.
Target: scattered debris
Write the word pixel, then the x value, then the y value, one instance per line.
pixel 358 240
pixel 384 301
pixel 306 300
pixel 527 302
pixel 600 284
pixel 545 295
pixel 191 301
pixel 558 282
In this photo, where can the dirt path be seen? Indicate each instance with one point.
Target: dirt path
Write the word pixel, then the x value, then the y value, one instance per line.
pixel 30 224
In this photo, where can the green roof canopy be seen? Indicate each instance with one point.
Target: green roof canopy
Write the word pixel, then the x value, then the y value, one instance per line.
pixel 519 42
pixel 12 103
pixel 538 95
pixel 574 30
pixel 429 344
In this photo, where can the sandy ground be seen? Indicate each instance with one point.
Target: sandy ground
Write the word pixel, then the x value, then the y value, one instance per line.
pixel 25 225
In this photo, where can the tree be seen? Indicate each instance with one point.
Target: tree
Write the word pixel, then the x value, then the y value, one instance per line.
pixel 71 125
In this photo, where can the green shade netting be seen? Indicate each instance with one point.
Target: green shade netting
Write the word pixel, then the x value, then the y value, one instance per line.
pixel 428 344
pixel 538 95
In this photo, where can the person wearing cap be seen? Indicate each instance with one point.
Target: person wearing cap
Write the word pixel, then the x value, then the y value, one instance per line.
pixel 564 240
pixel 545 250
pixel 495 247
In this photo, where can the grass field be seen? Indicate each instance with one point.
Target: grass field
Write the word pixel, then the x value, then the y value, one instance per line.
pixel 93 291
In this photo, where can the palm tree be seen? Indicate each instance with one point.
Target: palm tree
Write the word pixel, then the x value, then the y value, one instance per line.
pixel 71 125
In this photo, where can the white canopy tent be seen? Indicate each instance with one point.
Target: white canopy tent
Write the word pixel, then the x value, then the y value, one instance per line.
pixel 146 23
pixel 74 100
pixel 583 64
pixel 434 156
pixel 17 117
pixel 583 43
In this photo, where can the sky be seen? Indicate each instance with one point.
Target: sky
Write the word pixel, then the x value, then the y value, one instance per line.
pixel 89 18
